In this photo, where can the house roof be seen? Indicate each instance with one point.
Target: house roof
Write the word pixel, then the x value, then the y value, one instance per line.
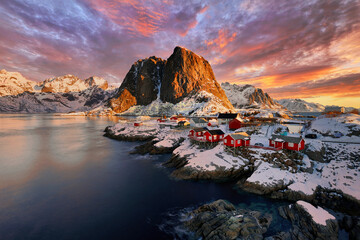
pixel 200 129
pixel 216 132
pixel 290 139
pixel 240 135
pixel 227 115
pixel 199 120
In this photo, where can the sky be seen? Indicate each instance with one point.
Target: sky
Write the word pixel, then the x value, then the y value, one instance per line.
pixel 290 48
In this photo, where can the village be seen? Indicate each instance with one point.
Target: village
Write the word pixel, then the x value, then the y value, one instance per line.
pixel 231 129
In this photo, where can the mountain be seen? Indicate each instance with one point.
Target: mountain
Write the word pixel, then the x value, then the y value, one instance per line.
pixel 184 83
pixel 39 102
pixel 247 96
pixel 70 83
pixel 13 83
pixel 299 105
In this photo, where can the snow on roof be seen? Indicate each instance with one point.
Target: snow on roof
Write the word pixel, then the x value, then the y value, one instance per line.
pixel 239 135
pixel 291 139
pixel 319 215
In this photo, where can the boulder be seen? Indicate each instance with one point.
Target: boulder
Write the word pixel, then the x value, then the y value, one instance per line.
pixel 305 226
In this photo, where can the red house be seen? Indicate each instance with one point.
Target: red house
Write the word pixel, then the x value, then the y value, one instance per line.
pixel 137 124
pixel 237 139
pixel 161 120
pixel 235 124
pixel 287 142
pixel 177 118
pixel 197 132
pixel 215 135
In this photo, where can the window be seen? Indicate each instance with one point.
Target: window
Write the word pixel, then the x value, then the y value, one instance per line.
pixel 215 137
pixel 290 144
pixel 232 141
pixel 238 141
pixel 225 140
pixel 272 142
pixel 221 136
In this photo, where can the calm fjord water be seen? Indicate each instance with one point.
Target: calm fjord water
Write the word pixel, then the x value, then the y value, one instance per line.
pixel 61 179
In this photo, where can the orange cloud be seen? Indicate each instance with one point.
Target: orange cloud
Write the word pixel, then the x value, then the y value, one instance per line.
pixel 223 39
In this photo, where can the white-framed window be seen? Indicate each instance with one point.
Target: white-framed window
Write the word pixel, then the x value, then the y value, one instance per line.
pixel 272 142
pixel 225 140
pixel 232 141
pixel 215 137
pixel 290 144
pixel 238 141
pixel 221 136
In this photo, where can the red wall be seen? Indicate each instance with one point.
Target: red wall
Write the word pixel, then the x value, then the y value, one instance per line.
pixel 235 124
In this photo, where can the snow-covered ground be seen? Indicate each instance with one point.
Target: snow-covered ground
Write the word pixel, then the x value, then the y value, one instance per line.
pixel 201 104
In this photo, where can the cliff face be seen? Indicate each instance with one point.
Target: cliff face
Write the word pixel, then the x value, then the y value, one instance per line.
pixel 184 75
pixel 141 85
pixel 243 96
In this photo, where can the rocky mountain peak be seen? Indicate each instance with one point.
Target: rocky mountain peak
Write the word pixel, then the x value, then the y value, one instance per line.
pixel 184 74
pixel 13 83
pixel 97 81
pixel 244 96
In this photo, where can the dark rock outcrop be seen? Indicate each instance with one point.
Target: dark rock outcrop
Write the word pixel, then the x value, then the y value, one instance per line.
pixel 183 75
pixel 222 220
pixel 304 227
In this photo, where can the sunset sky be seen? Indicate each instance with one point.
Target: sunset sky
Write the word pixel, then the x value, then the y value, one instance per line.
pixel 291 49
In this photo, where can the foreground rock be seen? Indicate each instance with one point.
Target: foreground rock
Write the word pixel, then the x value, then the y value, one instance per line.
pixel 222 220
pixel 310 222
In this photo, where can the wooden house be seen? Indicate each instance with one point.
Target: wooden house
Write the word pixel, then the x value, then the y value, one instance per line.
pixel 237 139
pixel 225 118
pixel 197 132
pixel 198 122
pixel 287 142
pixel 236 123
pixel 138 124
pixel 177 118
pixel 183 123
pixel 215 135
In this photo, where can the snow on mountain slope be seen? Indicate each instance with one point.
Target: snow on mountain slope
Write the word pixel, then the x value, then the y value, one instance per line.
pixel 201 104
pixel 38 102
pixel 245 96
pixel 299 105
pixel 13 83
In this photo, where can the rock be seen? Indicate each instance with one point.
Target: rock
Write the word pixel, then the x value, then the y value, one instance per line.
pixel 184 74
pixel 304 226
pixel 315 152
pixel 222 220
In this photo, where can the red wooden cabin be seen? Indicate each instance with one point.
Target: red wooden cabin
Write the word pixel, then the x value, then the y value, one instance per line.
pixel 197 132
pixel 137 124
pixel 287 142
pixel 237 139
pixel 215 135
pixel 235 124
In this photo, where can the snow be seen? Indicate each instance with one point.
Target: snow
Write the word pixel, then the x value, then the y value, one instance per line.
pixel 318 214
pixel 344 123
pixel 189 106
pixel 299 105
pixel 13 83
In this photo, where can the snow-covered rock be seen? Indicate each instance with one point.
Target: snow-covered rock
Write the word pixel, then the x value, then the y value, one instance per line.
pixel 71 83
pixel 245 96
pixel 201 104
pixel 13 83
pixel 39 102
pixel 299 105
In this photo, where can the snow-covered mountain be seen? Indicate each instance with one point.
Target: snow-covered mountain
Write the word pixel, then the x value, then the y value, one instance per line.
pixel 70 83
pixel 247 96
pixel 13 83
pixel 299 105
pixel 38 102
pixel 184 83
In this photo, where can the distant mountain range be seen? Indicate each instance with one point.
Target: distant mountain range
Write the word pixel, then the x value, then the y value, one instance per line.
pixel 248 96
pixel 299 105
pixel 184 83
